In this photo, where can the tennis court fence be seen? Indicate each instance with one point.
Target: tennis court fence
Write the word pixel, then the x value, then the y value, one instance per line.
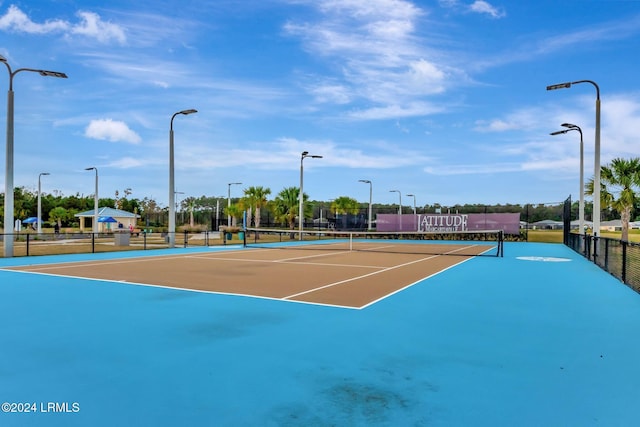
pixel 462 243
pixel 619 258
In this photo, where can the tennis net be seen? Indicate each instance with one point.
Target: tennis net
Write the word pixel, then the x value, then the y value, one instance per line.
pixel 462 243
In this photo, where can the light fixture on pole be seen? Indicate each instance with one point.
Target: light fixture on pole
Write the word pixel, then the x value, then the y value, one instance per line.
pixel 304 155
pixel 229 201
pixel 172 206
pixel 571 127
pixel 414 203
pixel 40 201
pixel 8 183
pixel 596 174
pixel 366 181
pixel 95 201
pixel 399 208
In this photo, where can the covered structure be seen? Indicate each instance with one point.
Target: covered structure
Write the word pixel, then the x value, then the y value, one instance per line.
pixel 117 216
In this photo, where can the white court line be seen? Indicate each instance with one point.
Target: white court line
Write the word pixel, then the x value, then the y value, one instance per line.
pixel 278 261
pixel 370 274
pixel 414 283
pixel 176 288
pixel 85 263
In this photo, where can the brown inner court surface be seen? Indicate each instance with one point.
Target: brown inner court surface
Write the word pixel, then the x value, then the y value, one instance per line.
pixel 352 279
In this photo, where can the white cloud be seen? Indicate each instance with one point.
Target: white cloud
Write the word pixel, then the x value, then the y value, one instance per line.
pixel 523 119
pixel 382 60
pixel 16 20
pixel 90 25
pixel 480 6
pixel 395 111
pixel 115 131
pixel 125 163
pixel 334 93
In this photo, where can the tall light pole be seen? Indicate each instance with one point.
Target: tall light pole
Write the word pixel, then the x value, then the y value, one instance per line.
pixel 366 181
pixel 40 201
pixel 304 155
pixel 571 127
pixel 596 173
pixel 415 212
pixel 172 205
pixel 399 208
pixel 176 205
pixel 95 201
pixel 414 202
pixel 8 183
pixel 229 201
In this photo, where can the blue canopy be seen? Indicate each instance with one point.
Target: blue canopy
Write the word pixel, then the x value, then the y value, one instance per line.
pixel 106 219
pixel 30 220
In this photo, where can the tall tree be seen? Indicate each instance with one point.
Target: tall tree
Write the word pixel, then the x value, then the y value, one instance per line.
pixel 345 205
pixel 619 181
pixel 58 215
pixel 256 199
pixel 286 205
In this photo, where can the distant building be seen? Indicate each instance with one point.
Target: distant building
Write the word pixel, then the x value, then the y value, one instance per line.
pixel 121 217
pixel 547 224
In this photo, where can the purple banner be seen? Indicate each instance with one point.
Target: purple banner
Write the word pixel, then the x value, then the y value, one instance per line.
pixel 507 222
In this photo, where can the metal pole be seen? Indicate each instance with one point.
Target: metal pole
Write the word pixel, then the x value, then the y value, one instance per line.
pixel 8 183
pixel 367 181
pixel 95 200
pixel 172 205
pixel 596 179
pixel 300 196
pixel 40 202
pixel 229 201
pixel 596 173
pixel 370 205
pixel 95 205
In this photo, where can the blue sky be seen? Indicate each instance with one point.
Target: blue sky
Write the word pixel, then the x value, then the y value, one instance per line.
pixel 444 99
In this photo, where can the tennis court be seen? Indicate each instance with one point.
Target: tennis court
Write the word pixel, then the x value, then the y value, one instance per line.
pixel 338 274
pixel 537 337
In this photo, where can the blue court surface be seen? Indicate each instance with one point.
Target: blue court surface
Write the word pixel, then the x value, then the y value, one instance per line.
pixel 540 337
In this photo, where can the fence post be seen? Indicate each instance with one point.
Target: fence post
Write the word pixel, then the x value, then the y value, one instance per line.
pixel 624 262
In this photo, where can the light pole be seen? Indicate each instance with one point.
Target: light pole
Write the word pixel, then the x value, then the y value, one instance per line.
pixel 414 202
pixel 95 201
pixel 304 155
pixel 40 201
pixel 176 205
pixel 229 201
pixel 571 127
pixel 8 183
pixel 596 173
pixel 399 208
pixel 172 206
pixel 415 212
pixel 366 181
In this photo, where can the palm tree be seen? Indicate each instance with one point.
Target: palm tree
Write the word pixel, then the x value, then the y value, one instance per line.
pixel 256 199
pixel 286 204
pixel 234 211
pixel 345 205
pixel 190 203
pixel 618 181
